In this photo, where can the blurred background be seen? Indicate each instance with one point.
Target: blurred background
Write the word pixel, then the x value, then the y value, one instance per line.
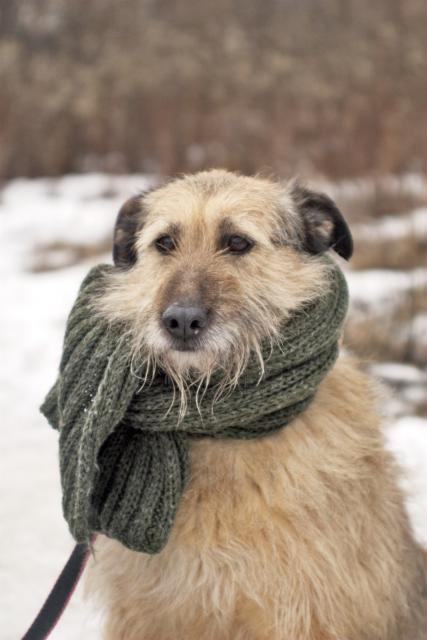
pixel 100 99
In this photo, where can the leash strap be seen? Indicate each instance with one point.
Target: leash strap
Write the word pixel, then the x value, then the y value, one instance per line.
pixel 61 592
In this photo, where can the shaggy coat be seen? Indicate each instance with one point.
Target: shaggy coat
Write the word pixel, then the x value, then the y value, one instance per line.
pixel 300 535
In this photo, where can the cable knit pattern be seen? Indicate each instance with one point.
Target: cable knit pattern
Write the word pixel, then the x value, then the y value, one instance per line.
pixel 123 461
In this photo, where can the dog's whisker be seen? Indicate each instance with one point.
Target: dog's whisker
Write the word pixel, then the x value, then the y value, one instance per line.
pixel 211 268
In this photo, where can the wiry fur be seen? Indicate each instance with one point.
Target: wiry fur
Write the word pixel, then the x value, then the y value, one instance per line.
pixel 297 536
pixel 248 303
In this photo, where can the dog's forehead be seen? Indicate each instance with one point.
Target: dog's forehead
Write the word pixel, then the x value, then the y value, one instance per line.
pixel 209 198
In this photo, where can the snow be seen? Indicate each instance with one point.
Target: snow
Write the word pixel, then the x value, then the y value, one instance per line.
pixel 34 310
pixel 33 536
pixel 414 184
pixel 407 440
pixel 31 525
pixel 399 373
pixel 404 387
pixel 72 209
pixel 394 227
pixel 381 289
pixel 417 332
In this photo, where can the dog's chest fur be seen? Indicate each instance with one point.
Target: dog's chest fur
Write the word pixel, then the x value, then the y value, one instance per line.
pixel 290 536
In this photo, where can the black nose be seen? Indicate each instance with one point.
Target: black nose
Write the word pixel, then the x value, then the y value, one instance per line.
pixel 184 322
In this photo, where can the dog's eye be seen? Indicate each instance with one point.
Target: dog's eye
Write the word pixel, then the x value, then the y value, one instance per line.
pixel 238 244
pixel 165 244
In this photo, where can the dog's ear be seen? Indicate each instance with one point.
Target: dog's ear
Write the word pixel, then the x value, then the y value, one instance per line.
pixel 128 223
pixel 323 225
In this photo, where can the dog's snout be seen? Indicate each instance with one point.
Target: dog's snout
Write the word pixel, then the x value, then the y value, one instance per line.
pixel 184 321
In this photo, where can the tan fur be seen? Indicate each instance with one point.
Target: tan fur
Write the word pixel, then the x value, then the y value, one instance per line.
pixel 297 536
pixel 251 295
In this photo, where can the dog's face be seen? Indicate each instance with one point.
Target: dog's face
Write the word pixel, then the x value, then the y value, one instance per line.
pixel 212 264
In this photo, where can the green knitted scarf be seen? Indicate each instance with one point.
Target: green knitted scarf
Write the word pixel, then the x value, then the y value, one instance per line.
pixel 123 456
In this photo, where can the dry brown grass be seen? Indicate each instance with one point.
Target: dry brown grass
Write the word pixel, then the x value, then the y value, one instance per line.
pixel 390 337
pixel 408 252
pixel 371 199
pixel 328 88
pixel 59 254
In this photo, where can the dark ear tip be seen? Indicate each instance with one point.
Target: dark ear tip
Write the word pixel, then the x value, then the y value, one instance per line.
pixel 325 226
pixel 343 241
pixel 345 252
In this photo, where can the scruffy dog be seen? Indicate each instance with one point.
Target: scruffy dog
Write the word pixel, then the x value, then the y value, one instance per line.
pixel 300 535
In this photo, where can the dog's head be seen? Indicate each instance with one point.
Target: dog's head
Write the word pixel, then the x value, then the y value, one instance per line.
pixel 211 264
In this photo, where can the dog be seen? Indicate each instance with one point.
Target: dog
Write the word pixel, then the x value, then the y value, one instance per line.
pixel 299 535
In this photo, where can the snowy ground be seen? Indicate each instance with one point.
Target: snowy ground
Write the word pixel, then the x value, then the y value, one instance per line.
pixel 33 536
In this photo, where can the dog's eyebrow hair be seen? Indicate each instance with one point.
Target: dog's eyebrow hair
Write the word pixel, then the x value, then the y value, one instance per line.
pixel 172 229
pixel 226 228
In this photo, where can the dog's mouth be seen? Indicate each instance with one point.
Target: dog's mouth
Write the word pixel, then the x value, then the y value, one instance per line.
pixel 185 356
pixel 190 345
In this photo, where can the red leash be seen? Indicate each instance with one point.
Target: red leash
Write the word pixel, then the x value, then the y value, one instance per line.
pixel 59 597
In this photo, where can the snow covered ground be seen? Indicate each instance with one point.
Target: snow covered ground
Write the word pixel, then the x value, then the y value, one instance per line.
pixel 33 536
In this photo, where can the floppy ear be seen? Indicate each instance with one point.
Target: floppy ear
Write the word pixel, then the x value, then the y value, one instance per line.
pixel 128 223
pixel 324 226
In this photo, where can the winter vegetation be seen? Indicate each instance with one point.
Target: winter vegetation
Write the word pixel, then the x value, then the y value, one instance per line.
pixel 101 99
pixel 52 231
pixel 333 88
